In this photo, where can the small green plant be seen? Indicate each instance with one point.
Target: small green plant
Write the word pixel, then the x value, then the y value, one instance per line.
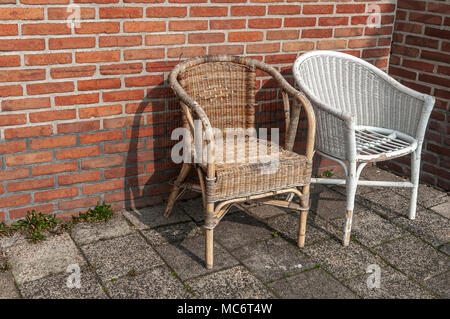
pixel 327 173
pixel 132 273
pixel 34 224
pixel 275 234
pixel 114 279
pixel 174 273
pixel 287 276
pixel 35 236
pixel 4 229
pixel 5 267
pixel 187 288
pixel 101 212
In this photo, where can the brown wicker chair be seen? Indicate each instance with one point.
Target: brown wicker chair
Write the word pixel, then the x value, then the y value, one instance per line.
pixel 220 91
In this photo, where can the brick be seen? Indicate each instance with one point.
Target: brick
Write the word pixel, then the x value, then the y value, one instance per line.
pixel 138 108
pixel 99 84
pixel 55 194
pixel 318 9
pixel 331 44
pixel 263 48
pixel 160 66
pixel 120 41
pixel 105 161
pixel 100 137
pixel 79 178
pixel 207 11
pixel 284 9
pixel 283 34
pixel 79 203
pixel 48 88
pixel 76 127
pixel 77 99
pixel 100 111
pixel 143 54
pixel 45 29
pixel 48 116
pixel 144 26
pixel 120 122
pixel 12 147
pixel 123 147
pixel 422 41
pixel 437 33
pixel 165 39
pixel 402 72
pixel 435 56
pixel 10 90
pixel 44 1
pixel 147 80
pixel 439 7
pixel 98 27
pixel 72 72
pixel 166 12
pixel 185 52
pixel 418 65
pixel 403 50
pixel 21 14
pixel 144 132
pixel 15 200
pixel 63 14
pixel 120 12
pixel 22 75
pixel 206 37
pixel 264 23
pixel 245 36
pixel 31 131
pixel 370 53
pixel 98 56
pixel 331 21
pixel 125 68
pixel 29 158
pixel 227 24
pixel 29 185
pixel 71 43
pixel 16 119
pixel 14 174
pixel 248 11
pixel 298 46
pixel 351 8
pixel 48 58
pixel 316 33
pixel 409 27
pixel 123 171
pixel 22 212
pixel 441 81
pixel 9 29
pixel 411 4
pixel 123 95
pixel 226 49
pixel 79 152
pixel 103 187
pixel 53 142
pixel 362 43
pixel 9 60
pixel 188 25
pixel 425 18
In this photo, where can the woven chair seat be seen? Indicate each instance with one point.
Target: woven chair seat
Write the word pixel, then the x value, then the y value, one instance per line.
pixel 242 173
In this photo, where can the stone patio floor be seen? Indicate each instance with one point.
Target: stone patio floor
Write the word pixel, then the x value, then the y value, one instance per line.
pixel 140 254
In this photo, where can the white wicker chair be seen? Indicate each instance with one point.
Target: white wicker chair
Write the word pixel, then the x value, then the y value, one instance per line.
pixel 363 115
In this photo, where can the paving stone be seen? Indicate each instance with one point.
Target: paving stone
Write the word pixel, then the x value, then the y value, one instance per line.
pixel 55 287
pixel 235 282
pixel 374 173
pixel 440 284
pixel 413 257
pixel 9 241
pixel 8 288
pixel 432 227
pixel 172 233
pixel 427 196
pixel 311 284
pixel 443 209
pixel 393 284
pixel 116 257
pixel 360 190
pixel 287 225
pixel 387 203
pixel 193 208
pixel 272 259
pixel 369 228
pixel 32 261
pixel 150 217
pixel 86 233
pixel 187 258
pixel 328 205
pixel 342 262
pixel 240 229
pixel 445 248
pixel 156 283
pixel 263 212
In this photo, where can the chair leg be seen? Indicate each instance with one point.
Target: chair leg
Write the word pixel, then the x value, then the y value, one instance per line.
pixel 209 247
pixel 415 173
pixel 304 202
pixel 351 185
pixel 175 190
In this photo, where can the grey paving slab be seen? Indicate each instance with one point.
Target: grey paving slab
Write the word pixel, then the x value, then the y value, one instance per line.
pixel 32 261
pixel 156 283
pixel 369 228
pixel 193 208
pixel 172 233
pixel 240 229
pixel 342 262
pixel 393 285
pixel 264 212
pixel 311 284
pixel 236 282
pixel 9 241
pixel 86 233
pixel 430 226
pixel 328 205
pixel 116 257
pixel 187 258
pixel 413 257
pixel 150 217
pixel 443 209
pixel 287 225
pixel 440 284
pixel 272 259
pixel 427 195
pixel 387 203
pixel 8 289
pixel 55 287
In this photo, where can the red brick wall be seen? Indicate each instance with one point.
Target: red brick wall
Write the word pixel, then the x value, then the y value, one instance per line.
pixel 421 60
pixel 86 114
